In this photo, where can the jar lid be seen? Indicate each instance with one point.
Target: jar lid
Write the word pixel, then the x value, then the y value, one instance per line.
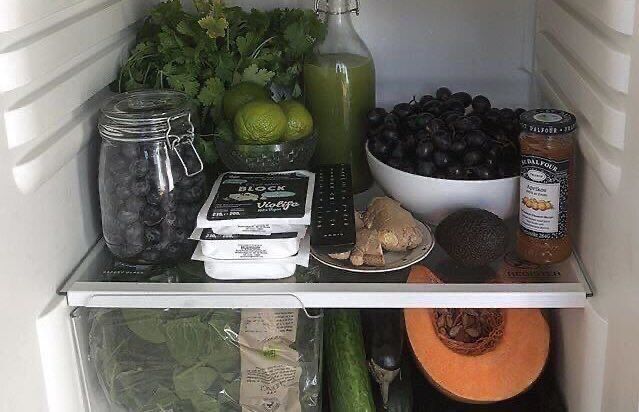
pixel 548 122
pixel 143 115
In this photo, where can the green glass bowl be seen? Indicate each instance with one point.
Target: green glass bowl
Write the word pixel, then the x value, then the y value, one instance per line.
pixel 278 157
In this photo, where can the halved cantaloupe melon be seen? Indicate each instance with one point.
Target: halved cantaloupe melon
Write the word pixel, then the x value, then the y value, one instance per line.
pixel 502 373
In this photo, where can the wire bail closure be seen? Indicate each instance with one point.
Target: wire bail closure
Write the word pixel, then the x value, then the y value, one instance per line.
pixel 319 10
pixel 174 141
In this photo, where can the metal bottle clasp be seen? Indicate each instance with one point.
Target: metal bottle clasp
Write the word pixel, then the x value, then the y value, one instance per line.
pixel 319 10
pixel 174 141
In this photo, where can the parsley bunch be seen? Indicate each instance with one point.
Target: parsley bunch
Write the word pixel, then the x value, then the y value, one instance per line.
pixel 204 53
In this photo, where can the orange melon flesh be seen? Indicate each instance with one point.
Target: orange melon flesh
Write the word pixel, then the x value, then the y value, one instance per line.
pixel 506 371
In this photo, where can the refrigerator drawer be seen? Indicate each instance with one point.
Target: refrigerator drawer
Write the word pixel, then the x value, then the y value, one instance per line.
pixel 199 359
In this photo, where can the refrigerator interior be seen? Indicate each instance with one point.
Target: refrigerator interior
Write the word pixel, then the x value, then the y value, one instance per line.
pixel 57 58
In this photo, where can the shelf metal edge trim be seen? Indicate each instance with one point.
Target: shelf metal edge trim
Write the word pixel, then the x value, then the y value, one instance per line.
pixel 327 295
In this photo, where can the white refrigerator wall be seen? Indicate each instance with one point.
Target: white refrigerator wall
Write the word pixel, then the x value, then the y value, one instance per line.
pixel 587 60
pixel 56 57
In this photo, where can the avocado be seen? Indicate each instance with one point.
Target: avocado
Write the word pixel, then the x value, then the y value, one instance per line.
pixel 472 237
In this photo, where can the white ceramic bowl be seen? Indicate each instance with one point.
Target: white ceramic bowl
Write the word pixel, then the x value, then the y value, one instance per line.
pixel 431 200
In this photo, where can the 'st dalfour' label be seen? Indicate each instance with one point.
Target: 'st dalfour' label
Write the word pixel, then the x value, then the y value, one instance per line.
pixel 543 197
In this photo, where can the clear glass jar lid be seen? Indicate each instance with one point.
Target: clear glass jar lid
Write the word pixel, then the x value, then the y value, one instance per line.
pixel 144 115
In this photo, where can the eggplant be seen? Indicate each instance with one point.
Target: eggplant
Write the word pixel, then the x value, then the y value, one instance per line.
pixel 384 341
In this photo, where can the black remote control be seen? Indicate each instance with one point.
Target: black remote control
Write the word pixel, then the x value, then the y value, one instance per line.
pixel 333 215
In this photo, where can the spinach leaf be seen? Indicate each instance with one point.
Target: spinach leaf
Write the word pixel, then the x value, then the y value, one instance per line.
pixel 205 403
pixel 146 323
pixel 187 339
pixel 193 382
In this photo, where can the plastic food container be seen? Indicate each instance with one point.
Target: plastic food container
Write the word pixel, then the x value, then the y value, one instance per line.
pixel 247 269
pixel 199 359
pixel 259 203
pixel 238 247
pixel 150 177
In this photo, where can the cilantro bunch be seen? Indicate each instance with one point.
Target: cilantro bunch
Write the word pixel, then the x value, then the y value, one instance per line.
pixel 204 53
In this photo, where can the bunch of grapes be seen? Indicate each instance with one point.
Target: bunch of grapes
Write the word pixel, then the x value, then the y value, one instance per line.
pixel 447 136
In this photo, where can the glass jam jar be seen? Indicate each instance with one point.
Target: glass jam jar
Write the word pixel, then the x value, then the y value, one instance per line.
pixel 547 155
pixel 150 176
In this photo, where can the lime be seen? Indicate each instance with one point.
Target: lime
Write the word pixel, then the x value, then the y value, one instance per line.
pixel 240 94
pixel 260 122
pixel 299 122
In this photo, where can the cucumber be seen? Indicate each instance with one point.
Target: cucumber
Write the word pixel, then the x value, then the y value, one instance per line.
pixel 348 380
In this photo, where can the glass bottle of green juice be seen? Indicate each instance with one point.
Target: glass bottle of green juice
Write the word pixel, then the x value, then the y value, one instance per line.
pixel 339 87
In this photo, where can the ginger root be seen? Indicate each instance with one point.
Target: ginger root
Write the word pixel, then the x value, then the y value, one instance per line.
pixel 359 220
pixel 368 250
pixel 397 228
pixel 340 256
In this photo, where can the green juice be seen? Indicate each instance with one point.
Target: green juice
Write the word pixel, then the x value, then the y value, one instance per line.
pixel 340 91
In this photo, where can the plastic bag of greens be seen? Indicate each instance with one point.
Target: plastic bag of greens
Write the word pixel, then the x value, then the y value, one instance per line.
pixel 186 360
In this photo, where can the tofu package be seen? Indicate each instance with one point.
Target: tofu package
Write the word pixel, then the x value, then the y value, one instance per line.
pixel 259 203
pixel 224 269
pixel 240 247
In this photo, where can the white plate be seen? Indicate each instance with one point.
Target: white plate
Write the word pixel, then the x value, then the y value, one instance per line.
pixel 394 260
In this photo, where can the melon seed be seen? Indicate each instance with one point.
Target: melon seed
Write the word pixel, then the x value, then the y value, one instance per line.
pixel 472 332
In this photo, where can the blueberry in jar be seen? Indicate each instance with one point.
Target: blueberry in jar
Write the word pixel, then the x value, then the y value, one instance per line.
pixel 139 168
pixel 192 194
pixel 141 187
pixel 134 234
pixel 152 235
pixel 154 198
pixel 151 215
pixel 123 191
pixel 145 179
